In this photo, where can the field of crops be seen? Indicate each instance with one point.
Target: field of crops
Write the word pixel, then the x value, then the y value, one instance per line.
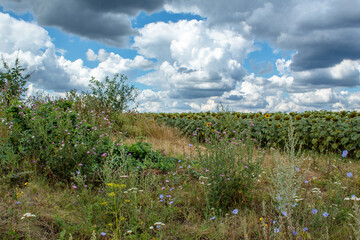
pixel 322 131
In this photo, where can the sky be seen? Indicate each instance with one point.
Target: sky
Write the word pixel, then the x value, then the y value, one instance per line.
pixel 186 55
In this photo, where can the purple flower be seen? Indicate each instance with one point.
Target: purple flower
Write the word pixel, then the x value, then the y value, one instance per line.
pixel 284 213
pixel 297 169
pixel 306 181
pixel 349 174
pixel 276 230
pixel 305 229
pixel 294 233
pixel 344 153
pixel 212 218
pixel 74 187
pixel 314 211
pixel 235 211
pixel 161 196
pixel 325 214
pixel 103 234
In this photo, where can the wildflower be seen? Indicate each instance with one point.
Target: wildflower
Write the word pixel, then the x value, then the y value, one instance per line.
pixel 325 214
pixel 161 196
pixel 276 230
pixel 306 181
pixel 74 187
pixel 349 174
pixel 284 213
pixel 129 231
pixel 171 202
pixel 267 115
pixel 212 218
pixel 151 227
pixel 314 211
pixel 297 169
pixel 28 215
pixel 102 233
pixel 305 229
pixel 17 202
pixel 344 153
pixel 25 183
pixel 294 233
pixel 112 194
pixel 167 181
pixel 235 211
pixel 261 219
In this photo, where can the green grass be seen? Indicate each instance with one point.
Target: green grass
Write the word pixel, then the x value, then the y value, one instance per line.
pixel 172 188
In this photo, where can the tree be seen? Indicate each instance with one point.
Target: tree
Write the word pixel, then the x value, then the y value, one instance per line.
pixel 114 93
pixel 12 82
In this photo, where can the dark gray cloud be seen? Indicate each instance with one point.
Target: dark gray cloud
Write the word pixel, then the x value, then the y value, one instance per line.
pixel 106 21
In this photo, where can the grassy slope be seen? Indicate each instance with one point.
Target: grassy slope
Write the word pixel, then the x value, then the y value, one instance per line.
pixel 58 207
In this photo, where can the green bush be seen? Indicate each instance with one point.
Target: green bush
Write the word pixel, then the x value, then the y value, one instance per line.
pixel 141 156
pixel 57 140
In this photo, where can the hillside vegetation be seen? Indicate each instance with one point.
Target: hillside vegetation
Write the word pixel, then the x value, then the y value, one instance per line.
pixel 81 167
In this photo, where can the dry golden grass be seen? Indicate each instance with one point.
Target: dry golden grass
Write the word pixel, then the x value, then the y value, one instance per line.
pixel 165 139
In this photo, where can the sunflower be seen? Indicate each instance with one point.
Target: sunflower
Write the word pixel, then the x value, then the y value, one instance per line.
pixel 267 115
pixel 279 125
pixel 208 124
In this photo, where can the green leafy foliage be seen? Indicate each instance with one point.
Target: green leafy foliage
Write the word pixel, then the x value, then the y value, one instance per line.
pixel 114 94
pixel 321 131
pixel 141 155
pixel 12 82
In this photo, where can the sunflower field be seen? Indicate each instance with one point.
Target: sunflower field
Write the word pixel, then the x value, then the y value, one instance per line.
pixel 322 131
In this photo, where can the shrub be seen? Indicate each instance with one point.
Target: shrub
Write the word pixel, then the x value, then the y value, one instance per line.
pixel 12 82
pixel 58 140
pixel 113 94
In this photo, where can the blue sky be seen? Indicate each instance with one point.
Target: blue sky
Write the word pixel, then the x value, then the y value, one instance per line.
pixel 192 56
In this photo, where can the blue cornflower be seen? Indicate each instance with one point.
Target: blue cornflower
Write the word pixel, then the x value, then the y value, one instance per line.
pixel 212 218
pixel 306 181
pixel 305 229
pixel 235 211
pixel 314 211
pixel 161 196
pixel 284 213
pixel 103 233
pixel 297 169
pixel 349 174
pixel 325 214
pixel 276 230
pixel 294 233
pixel 344 153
